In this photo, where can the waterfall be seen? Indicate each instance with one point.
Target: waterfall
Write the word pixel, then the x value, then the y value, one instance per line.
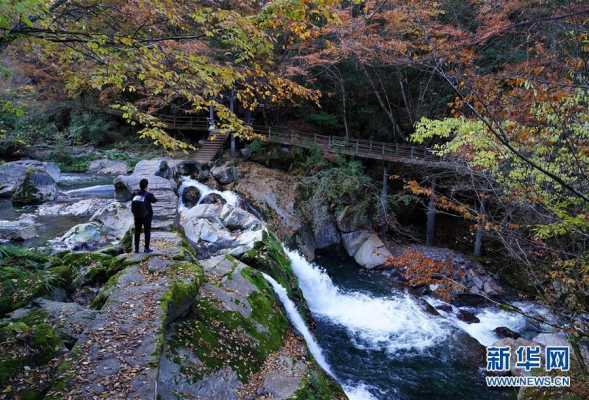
pixel 299 324
pixel 354 393
pixel 230 197
pixel 391 324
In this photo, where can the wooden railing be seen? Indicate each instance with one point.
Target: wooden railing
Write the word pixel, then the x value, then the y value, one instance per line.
pixel 187 122
pixel 361 148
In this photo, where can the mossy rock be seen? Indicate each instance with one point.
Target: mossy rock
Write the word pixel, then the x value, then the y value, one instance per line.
pixel 23 276
pixel 105 291
pixel 185 280
pixel 319 386
pixel 221 337
pixel 78 269
pixel 28 341
pixel 268 256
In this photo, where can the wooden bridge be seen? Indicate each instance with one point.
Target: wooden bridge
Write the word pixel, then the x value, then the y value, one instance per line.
pixel 361 148
pixel 393 152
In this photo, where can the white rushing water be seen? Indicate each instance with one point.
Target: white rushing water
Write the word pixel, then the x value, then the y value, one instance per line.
pixel 230 197
pixel 359 392
pixel 380 323
pixel 299 323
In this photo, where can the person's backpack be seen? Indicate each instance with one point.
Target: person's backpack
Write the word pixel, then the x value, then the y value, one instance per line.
pixel 138 207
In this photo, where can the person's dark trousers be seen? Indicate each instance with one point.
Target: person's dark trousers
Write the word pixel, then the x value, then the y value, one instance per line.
pixel 144 223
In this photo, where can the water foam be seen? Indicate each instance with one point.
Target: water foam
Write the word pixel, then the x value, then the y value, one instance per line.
pixel 359 392
pixel 391 324
pixel 230 197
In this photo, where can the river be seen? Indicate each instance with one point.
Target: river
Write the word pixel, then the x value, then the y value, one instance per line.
pixel 380 344
pixel 377 341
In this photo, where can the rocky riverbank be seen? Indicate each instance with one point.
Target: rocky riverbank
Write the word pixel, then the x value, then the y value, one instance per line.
pixel 197 319
pixel 194 319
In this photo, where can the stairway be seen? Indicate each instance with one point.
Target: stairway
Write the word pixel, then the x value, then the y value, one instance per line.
pixel 211 147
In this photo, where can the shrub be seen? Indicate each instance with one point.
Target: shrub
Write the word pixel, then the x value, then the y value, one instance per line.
pixel 343 183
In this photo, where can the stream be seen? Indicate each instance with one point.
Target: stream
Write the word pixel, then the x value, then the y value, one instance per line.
pixel 380 344
pixel 377 340
pixel 52 226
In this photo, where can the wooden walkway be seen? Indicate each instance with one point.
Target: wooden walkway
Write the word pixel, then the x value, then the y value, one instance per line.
pixel 392 152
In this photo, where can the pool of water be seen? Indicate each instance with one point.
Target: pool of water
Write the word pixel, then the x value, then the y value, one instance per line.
pixel 380 344
pixel 50 227
pixel 70 181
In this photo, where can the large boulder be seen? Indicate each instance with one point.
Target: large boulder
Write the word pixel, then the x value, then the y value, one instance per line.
pixel 349 220
pixel 116 219
pixel 158 167
pixel 224 174
pixel 213 198
pixel 87 236
pixel 37 187
pixel 190 196
pixel 185 168
pixel 108 167
pixel 372 252
pixel 236 343
pixel 81 208
pixel 324 227
pixel 215 229
pixel 273 192
pixel 353 241
pixel 13 173
pixel 21 229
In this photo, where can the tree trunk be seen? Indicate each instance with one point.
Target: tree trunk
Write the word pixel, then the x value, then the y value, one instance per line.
pixel 232 109
pixel 431 216
pixel 381 102
pixel 478 241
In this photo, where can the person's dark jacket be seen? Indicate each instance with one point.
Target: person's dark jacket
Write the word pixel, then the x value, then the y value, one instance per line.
pixel 149 199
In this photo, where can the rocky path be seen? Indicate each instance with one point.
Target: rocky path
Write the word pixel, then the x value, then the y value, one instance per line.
pixel 116 357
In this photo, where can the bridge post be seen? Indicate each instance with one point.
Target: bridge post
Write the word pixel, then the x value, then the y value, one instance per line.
pixel 412 151
pixel 232 108
pixel 431 216
pixel 478 240
pixel 211 118
pixel 385 191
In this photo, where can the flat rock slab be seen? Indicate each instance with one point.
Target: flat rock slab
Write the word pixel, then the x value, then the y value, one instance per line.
pixel 116 357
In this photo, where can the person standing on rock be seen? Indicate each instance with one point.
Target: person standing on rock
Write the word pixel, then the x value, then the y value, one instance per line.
pixel 142 213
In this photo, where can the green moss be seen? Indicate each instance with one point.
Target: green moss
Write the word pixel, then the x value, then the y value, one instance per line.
pixel 22 277
pixel 79 269
pixel 28 341
pixel 185 280
pixel 318 386
pixel 268 256
pixel 27 192
pixel 222 338
pixel 105 291
pixel 186 250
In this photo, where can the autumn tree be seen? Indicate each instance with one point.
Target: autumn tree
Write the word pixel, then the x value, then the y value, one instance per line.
pixel 139 56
